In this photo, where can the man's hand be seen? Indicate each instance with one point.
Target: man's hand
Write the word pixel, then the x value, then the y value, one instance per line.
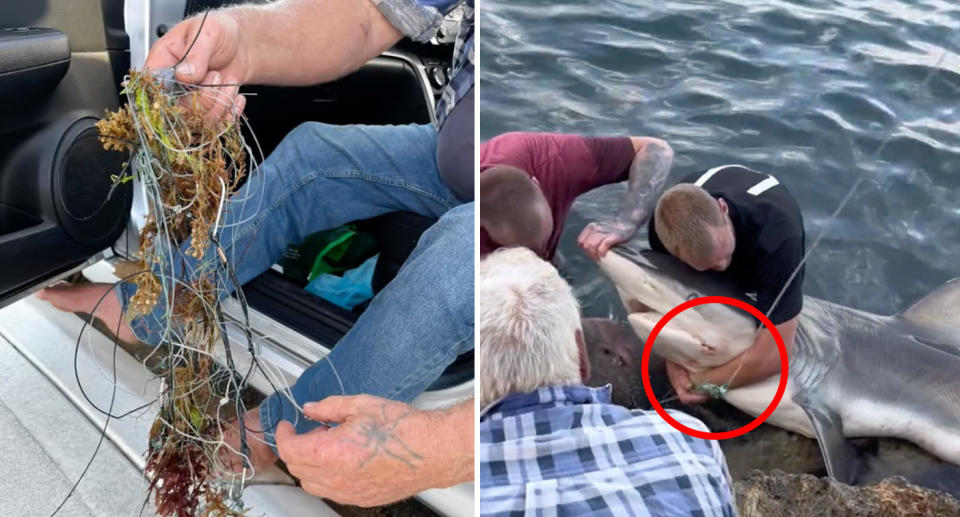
pixel 757 363
pixel 217 49
pixel 381 451
pixel 288 43
pixel 215 58
pixel 597 238
pixel 680 380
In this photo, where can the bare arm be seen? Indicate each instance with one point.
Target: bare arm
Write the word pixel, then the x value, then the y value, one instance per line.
pixel 457 424
pixel 648 174
pixel 289 42
pixel 755 364
pixel 297 42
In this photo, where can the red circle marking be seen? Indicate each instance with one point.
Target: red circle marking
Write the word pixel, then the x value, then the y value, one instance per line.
pixel 645 367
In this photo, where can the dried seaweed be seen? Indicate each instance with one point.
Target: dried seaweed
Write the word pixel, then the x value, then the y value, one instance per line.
pixel 189 166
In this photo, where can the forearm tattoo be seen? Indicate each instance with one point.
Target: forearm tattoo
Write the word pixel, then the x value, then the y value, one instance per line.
pixel 648 174
pixel 377 434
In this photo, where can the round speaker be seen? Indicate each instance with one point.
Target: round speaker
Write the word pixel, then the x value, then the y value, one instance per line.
pixel 90 208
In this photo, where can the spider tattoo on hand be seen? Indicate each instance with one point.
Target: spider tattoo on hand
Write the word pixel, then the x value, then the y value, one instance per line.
pixel 378 434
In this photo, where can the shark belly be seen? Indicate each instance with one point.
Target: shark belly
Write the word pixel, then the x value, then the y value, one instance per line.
pixel 878 375
pixel 881 376
pixel 755 398
pixel 891 384
pixel 852 373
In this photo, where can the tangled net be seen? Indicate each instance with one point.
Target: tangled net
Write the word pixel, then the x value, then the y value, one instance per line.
pixel 189 167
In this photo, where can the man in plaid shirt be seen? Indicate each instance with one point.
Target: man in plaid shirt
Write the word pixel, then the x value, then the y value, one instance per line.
pixel 550 445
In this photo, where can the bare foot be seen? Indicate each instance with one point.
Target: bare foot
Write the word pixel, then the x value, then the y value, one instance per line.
pixel 83 298
pixel 261 455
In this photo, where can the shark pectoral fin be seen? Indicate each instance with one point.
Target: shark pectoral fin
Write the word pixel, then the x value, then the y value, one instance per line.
pixel 839 456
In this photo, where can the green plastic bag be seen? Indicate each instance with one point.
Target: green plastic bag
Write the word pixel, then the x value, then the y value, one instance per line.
pixel 330 251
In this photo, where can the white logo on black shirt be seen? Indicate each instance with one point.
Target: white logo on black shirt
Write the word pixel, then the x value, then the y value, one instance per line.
pixel 762 186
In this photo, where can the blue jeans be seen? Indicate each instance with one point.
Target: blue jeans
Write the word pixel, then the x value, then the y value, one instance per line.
pixel 320 177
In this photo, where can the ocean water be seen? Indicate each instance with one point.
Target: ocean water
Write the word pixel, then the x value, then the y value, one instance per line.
pixel 807 91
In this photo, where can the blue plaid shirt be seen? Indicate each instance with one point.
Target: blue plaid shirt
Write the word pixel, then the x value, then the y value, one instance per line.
pixel 420 20
pixel 569 451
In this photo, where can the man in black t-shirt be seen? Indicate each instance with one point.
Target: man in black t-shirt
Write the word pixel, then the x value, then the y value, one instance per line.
pixel 746 224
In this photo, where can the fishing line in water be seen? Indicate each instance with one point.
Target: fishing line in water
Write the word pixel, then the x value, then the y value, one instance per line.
pixel 719 391
pixel 849 195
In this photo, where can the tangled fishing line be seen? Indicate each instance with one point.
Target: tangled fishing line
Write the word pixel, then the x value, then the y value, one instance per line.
pixel 189 166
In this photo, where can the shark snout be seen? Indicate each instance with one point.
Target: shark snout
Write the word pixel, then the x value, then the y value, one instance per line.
pixel 699 337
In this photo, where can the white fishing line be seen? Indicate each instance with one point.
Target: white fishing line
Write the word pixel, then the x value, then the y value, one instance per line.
pixel 849 195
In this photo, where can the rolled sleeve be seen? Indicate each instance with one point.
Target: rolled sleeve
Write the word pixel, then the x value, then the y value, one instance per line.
pixel 417 19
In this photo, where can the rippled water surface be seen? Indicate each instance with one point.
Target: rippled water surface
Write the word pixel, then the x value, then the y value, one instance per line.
pixel 807 91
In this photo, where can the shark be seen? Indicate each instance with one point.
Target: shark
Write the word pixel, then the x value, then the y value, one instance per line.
pixel 852 373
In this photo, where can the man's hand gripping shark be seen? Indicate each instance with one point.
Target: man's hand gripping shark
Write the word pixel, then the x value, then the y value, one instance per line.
pixel 852 373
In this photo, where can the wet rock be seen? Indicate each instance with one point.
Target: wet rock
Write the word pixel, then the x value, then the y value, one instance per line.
pixel 761 494
pixel 768 448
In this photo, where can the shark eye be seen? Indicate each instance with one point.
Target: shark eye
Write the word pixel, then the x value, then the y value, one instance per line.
pixel 692 296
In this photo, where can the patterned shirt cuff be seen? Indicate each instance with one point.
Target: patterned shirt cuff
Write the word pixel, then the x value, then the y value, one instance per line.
pixel 418 22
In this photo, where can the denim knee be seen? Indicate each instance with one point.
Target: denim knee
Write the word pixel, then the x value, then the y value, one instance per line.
pixel 450 241
pixel 454 230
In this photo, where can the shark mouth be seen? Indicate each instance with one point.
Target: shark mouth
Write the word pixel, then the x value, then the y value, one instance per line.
pixel 634 306
pixel 689 360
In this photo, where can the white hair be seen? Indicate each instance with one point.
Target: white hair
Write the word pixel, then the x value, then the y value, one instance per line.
pixel 527 321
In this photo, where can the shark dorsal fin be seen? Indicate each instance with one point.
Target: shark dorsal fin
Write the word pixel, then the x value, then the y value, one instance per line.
pixel 938 310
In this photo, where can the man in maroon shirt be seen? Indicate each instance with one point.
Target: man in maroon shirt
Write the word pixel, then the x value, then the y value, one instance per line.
pixel 529 181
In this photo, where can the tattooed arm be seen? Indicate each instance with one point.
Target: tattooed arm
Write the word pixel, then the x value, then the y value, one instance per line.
pixel 381 451
pixel 648 174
